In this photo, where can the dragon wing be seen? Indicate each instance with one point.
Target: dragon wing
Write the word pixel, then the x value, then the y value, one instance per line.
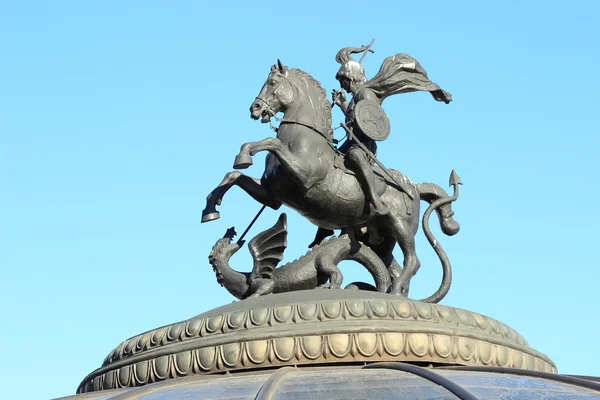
pixel 267 249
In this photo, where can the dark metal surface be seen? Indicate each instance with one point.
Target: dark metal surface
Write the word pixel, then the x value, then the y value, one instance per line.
pixel 428 374
pixel 354 382
pixel 587 378
pixel 269 388
pixel 571 380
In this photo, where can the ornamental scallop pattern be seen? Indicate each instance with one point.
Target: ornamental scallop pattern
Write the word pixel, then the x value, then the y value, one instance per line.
pixel 414 332
pixel 311 312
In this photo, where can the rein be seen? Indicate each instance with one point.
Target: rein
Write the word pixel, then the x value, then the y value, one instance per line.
pixel 293 122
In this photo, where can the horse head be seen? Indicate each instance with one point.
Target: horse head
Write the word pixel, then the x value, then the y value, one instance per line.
pixel 276 95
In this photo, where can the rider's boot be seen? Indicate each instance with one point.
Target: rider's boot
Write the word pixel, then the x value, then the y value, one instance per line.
pixel 376 203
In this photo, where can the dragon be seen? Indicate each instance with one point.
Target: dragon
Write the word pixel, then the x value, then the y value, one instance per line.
pixel 316 269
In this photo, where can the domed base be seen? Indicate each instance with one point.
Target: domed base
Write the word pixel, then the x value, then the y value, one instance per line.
pixel 314 327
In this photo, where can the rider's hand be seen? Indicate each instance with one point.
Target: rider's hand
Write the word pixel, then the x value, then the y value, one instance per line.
pixel 338 97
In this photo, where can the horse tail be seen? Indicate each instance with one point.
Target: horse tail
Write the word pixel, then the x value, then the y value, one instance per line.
pixel 439 201
pixel 430 192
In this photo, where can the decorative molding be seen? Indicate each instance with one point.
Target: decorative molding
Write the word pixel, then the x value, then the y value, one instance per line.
pixel 315 332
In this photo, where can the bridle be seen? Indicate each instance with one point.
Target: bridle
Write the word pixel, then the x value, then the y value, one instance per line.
pixel 271 113
pixel 269 107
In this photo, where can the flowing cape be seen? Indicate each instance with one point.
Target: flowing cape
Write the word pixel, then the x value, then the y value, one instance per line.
pixel 403 74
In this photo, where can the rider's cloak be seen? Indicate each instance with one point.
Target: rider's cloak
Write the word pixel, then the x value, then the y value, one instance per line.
pixel 403 74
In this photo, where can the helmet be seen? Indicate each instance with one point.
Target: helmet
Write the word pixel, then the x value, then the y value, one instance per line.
pixel 350 69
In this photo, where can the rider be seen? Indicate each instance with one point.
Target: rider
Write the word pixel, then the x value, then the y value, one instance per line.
pixel 351 76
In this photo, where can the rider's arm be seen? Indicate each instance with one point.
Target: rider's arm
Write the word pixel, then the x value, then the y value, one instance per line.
pixel 339 98
pixel 343 106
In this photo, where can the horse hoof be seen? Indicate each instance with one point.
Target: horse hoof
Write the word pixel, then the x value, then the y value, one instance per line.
pixel 242 161
pixel 210 216
pixel 399 289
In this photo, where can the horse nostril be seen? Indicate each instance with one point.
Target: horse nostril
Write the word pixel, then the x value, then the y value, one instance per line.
pixel 256 106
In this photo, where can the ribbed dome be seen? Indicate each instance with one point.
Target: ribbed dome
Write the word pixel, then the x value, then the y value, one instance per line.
pixel 314 328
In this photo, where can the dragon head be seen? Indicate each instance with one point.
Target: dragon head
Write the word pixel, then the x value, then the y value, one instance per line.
pixel 220 254
pixel 223 249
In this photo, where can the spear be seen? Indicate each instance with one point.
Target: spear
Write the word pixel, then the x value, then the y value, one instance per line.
pixel 366 51
pixel 241 239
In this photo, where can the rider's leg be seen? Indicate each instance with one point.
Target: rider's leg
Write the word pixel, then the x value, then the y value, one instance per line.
pixel 364 172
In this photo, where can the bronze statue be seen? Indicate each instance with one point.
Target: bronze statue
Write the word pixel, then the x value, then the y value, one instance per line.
pixel 309 174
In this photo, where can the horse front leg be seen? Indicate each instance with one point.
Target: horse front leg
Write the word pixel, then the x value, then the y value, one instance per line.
pixel 250 185
pixel 244 158
pixel 295 165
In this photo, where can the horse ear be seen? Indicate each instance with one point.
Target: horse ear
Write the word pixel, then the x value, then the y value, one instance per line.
pixel 281 67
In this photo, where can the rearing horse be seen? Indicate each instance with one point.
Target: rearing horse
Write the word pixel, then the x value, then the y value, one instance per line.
pixel 304 171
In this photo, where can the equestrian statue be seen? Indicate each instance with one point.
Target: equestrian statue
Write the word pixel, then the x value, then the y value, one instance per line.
pixel 344 188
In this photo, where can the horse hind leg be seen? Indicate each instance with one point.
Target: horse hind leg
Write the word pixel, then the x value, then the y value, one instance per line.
pixel 411 264
pixel 385 252
pixel 250 185
pixel 431 192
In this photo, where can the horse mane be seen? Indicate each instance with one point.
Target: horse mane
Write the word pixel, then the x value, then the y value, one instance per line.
pixel 323 104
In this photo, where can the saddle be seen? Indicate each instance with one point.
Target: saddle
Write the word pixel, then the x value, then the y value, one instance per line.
pixel 348 178
pixel 340 162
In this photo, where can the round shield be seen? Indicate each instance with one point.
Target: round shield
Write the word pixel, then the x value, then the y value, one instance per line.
pixel 371 119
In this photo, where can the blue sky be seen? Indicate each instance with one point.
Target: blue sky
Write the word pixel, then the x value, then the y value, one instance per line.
pixel 118 118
